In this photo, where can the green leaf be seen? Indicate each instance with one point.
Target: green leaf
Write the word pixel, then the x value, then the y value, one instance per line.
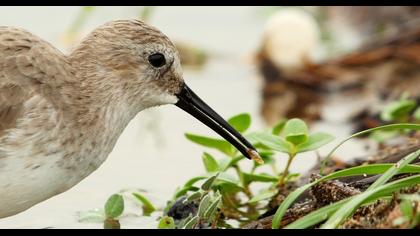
pixel 385 127
pixel 397 109
pixel 240 122
pixel 204 205
pixel 267 157
pixel 228 186
pixel 194 180
pixel 381 136
pixel 278 127
pixel 210 163
pixel 417 114
pixel 296 131
pixel 190 224
pixel 184 190
pixel 182 223
pixel 148 207
pixel 114 206
pixel 314 141
pixel 209 182
pixel 212 209
pixel 354 171
pixel 218 144
pixel 228 162
pixel 194 196
pixel 345 211
pixel 248 178
pixel 272 141
pixel 166 222
pixel 266 194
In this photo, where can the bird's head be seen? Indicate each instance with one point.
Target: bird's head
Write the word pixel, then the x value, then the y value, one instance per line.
pixel 142 67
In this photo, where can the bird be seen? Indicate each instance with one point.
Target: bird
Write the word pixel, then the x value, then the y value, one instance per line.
pixel 61 115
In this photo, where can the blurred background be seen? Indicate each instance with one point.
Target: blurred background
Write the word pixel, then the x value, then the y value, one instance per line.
pixel 334 67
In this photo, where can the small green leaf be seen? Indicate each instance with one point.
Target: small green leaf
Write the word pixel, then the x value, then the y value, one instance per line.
pixel 194 180
pixel 267 158
pixel 296 131
pixel 210 163
pixel 315 141
pixel 166 222
pixel 278 127
pixel 228 187
pixel 248 178
pixel 148 207
pixel 181 224
pixel 190 224
pixel 397 109
pixel 209 182
pixel 212 209
pixel 225 163
pixel 266 194
pixel 381 136
pixel 272 141
pixel 240 122
pixel 204 205
pixel 194 196
pixel 219 144
pixel 114 207
pixel 184 190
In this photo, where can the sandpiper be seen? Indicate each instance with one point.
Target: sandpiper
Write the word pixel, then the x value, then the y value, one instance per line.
pixel 61 115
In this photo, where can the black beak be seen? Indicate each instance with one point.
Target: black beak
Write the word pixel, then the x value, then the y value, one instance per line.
pixel 191 103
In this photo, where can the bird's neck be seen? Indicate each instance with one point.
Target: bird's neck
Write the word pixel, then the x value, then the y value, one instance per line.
pixel 94 106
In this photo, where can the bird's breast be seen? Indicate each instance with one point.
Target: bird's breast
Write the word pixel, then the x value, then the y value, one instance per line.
pixel 43 156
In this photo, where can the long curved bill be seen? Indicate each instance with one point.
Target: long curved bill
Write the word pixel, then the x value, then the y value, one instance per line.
pixel 192 104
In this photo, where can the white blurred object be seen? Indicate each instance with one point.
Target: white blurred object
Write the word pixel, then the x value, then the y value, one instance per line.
pixel 291 36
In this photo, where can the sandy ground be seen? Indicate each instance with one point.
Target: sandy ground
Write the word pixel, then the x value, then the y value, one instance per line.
pixel 152 153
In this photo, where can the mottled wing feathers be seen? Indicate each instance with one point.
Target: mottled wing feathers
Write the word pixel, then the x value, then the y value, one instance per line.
pixel 28 66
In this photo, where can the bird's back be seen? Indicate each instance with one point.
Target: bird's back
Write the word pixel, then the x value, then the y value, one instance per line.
pixel 31 70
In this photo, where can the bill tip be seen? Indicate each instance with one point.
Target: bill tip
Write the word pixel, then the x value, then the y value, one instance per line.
pixel 255 156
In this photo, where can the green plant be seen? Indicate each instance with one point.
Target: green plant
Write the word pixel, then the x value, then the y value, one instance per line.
pixel 408 207
pixel 114 207
pixel 399 111
pixel 233 182
pixel 337 212
pixel 224 191
pixel 296 140
pixel 147 206
pixel 207 214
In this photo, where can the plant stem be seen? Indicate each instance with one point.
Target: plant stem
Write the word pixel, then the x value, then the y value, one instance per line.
pixel 286 169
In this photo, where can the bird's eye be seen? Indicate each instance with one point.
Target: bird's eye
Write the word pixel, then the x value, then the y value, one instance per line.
pixel 157 60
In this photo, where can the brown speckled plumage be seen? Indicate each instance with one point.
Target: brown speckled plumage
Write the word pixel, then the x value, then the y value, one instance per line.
pixel 61 115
